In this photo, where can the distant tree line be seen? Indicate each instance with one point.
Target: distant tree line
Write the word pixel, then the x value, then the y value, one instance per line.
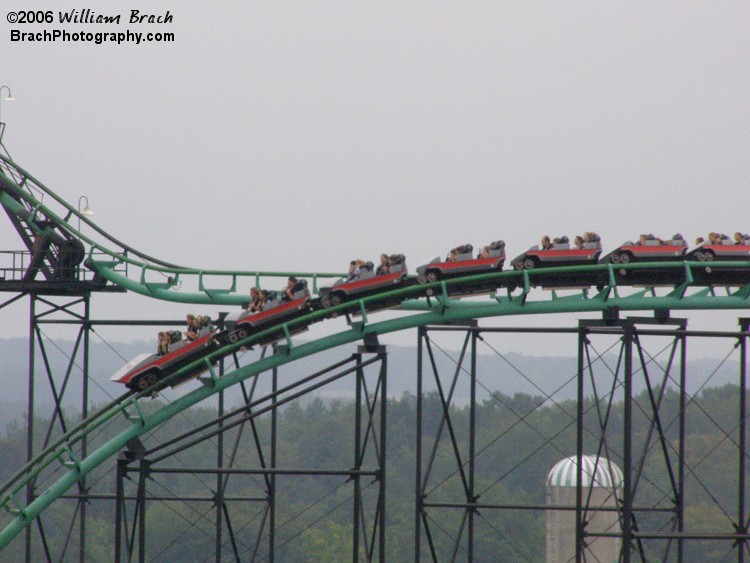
pixel 518 439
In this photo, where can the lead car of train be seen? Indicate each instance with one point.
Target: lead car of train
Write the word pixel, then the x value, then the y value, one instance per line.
pixel 147 370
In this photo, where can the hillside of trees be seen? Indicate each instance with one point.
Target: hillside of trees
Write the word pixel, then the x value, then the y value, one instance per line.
pixel 518 439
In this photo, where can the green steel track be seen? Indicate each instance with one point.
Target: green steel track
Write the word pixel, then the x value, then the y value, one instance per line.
pixel 44 213
pixel 437 310
pixel 521 297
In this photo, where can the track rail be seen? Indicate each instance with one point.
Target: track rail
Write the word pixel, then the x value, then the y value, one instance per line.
pixel 438 309
pixel 692 286
pixel 24 196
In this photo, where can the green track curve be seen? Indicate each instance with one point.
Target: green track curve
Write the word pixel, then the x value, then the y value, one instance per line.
pixel 122 265
pixel 439 309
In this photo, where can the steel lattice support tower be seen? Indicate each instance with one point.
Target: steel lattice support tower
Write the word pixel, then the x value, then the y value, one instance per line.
pixel 43 310
pixel 649 441
pixel 369 436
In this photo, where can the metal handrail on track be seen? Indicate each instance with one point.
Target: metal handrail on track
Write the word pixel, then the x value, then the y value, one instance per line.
pixel 438 309
pixel 21 197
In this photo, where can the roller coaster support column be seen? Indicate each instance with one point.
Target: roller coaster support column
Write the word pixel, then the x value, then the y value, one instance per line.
pixel 420 513
pixel 633 456
pixel 627 456
pixel 580 395
pixel 220 459
pixel 272 477
pixel 472 442
pixel 141 508
pixel 360 448
pixel 133 454
pixel 30 419
pixel 742 523
pixel 465 461
pixel 368 461
pixel 356 464
pixel 633 408
pixel 119 507
pixel 383 456
pixel 681 430
pixel 58 310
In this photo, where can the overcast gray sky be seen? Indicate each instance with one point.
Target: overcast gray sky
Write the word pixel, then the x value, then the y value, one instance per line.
pixel 299 135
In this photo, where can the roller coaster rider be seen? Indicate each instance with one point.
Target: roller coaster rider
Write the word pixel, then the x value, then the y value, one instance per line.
pixel 287 293
pixel 385 265
pixel 257 299
pixel 192 330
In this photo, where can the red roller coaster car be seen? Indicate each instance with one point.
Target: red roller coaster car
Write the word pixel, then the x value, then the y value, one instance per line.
pixel 648 249
pixel 243 323
pixel 461 262
pixel 145 370
pixel 725 250
pixel 561 254
pixel 366 282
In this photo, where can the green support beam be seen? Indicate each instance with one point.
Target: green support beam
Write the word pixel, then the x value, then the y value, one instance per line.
pixel 25 198
pixel 433 314
pixel 20 197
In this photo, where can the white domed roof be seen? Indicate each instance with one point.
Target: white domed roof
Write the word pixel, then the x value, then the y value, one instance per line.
pixel 563 474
